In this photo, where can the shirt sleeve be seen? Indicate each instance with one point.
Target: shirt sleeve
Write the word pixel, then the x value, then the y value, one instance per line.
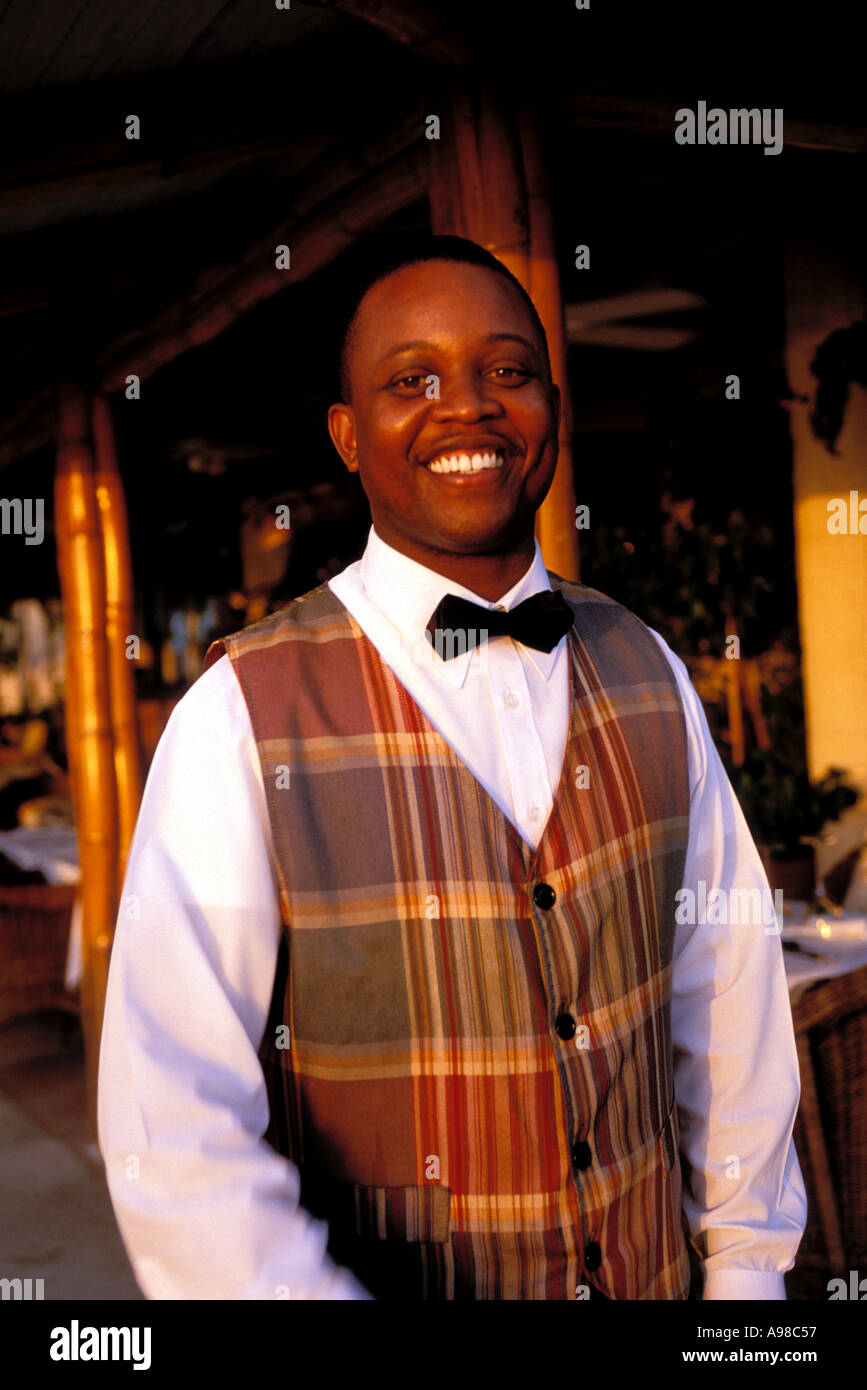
pixel 737 1080
pixel 206 1209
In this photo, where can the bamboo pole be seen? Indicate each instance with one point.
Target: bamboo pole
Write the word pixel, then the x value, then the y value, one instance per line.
pixel 556 519
pixel 119 625
pixel 81 565
pixel 487 182
pixel 478 152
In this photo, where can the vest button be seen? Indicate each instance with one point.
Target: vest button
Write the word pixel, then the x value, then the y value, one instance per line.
pixel 544 895
pixel 565 1025
pixel 593 1256
pixel 581 1157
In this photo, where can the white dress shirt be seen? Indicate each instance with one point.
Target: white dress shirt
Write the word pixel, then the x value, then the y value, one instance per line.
pixel 206 1208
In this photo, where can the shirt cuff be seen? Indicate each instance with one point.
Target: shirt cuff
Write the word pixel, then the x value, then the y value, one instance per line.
pixel 753 1284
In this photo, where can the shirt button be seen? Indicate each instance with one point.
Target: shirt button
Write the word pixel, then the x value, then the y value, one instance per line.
pixel 565 1025
pixel 544 895
pixel 534 813
pixel 593 1256
pixel 511 700
pixel 581 1156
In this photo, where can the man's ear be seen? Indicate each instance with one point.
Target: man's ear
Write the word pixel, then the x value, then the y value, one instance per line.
pixel 558 406
pixel 341 427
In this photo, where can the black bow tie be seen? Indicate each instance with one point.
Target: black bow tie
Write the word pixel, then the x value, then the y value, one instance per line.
pixel 457 624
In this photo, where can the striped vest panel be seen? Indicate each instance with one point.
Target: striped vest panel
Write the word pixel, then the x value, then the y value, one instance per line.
pixel 460 1142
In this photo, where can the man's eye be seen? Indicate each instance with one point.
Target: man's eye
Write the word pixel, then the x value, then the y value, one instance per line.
pixel 511 373
pixel 409 381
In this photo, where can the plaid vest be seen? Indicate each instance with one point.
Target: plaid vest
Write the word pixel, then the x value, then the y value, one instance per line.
pixel 469 1054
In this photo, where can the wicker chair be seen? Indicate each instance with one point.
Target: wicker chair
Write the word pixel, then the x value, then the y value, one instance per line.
pixel 34 934
pixel 831 1132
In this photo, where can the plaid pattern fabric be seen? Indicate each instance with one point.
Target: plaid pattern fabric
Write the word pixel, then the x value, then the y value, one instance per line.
pixel 458 1146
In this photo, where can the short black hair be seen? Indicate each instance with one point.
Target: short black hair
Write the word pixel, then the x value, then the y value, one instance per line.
pixel 380 260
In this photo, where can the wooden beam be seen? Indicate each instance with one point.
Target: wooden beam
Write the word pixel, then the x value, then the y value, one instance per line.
pixel 418 26
pixel 188 115
pixel 650 117
pixel 348 195
pixel 81 563
pixel 340 167
pixel 100 171
pixel 319 239
pixel 29 427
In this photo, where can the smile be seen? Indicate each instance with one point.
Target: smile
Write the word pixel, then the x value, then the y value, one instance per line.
pixel 466 463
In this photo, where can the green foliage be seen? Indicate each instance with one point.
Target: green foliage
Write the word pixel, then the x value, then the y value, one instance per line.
pixel 685 580
pixel 782 807
pixel 685 585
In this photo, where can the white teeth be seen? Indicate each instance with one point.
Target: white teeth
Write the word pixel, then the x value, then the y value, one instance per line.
pixel 466 463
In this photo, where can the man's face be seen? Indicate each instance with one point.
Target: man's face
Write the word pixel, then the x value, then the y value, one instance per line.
pixel 469 329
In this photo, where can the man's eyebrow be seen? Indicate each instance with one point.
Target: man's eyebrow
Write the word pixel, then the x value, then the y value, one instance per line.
pixel 421 343
pixel 405 347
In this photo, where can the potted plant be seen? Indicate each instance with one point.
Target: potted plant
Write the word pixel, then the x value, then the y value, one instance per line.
pixel 786 813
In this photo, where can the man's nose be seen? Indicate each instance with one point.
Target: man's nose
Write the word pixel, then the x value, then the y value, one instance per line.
pixel 464 396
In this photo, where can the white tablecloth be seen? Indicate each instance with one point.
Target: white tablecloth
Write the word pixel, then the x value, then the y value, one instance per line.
pixel 53 849
pixel 827 946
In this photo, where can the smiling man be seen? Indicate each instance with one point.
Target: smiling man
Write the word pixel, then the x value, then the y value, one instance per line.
pixel 407 1013
pixel 453 428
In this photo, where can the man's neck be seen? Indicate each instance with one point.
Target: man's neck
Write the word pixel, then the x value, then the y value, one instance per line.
pixel 489 576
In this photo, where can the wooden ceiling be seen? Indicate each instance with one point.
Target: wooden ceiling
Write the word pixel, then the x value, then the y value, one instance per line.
pixel 243 109
pixel 65 42
pixel 250 113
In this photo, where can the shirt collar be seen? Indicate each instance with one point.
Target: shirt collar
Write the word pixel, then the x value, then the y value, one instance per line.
pixel 407 593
